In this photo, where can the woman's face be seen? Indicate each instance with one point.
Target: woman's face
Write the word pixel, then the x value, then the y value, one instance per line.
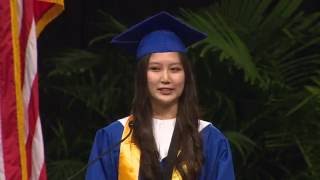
pixel 165 77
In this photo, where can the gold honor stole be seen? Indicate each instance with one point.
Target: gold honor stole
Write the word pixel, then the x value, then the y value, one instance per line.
pixel 129 158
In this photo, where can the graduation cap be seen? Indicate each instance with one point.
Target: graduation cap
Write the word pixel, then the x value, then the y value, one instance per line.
pixel 159 33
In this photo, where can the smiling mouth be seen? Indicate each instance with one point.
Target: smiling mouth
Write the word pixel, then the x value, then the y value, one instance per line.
pixel 165 91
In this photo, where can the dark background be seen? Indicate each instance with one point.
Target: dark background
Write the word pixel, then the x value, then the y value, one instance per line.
pixel 79 14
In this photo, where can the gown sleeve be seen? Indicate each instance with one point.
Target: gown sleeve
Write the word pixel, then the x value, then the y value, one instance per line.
pixel 218 163
pixel 106 166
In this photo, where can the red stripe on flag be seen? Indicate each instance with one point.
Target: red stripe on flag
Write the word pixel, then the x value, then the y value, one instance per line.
pixel 27 18
pixel 40 8
pixel 43 173
pixel 33 111
pixel 10 142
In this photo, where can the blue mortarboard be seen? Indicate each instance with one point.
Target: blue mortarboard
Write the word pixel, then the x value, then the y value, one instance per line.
pixel 159 33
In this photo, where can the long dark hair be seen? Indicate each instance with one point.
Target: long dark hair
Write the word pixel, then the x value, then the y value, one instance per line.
pixel 190 157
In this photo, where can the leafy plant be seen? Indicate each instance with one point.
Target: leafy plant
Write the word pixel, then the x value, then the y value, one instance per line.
pixel 274 45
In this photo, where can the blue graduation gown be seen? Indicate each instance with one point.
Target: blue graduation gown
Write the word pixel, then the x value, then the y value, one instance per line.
pixel 217 154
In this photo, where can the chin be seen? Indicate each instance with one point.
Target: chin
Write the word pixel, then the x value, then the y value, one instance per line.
pixel 166 101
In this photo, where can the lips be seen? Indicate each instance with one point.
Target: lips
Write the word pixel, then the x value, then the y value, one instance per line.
pixel 165 91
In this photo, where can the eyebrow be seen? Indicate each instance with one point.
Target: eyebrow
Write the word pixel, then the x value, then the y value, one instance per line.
pixel 152 63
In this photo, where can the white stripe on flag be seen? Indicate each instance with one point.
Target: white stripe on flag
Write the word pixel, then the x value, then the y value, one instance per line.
pixel 29 72
pixel 37 152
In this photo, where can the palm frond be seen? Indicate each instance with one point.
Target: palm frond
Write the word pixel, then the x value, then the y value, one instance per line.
pixel 221 36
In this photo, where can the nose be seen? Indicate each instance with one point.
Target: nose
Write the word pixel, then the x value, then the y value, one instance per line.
pixel 165 79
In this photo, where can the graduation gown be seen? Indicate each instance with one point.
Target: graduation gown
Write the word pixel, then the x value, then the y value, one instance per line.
pixel 217 154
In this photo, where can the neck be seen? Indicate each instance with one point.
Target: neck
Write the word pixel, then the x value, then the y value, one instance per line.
pixel 164 111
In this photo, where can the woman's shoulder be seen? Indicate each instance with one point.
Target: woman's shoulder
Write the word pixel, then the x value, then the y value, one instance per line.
pixel 217 154
pixel 114 127
pixel 208 130
pixel 215 142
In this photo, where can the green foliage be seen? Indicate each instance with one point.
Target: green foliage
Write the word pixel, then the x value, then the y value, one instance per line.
pixel 275 45
pixel 64 157
pixel 269 43
pixel 258 81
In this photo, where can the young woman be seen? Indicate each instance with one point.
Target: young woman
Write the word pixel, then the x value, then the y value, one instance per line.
pixel 163 137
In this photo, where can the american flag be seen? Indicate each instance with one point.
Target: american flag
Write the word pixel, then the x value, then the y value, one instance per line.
pixel 21 142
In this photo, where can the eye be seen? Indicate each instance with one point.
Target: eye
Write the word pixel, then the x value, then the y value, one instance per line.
pixel 154 68
pixel 176 69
